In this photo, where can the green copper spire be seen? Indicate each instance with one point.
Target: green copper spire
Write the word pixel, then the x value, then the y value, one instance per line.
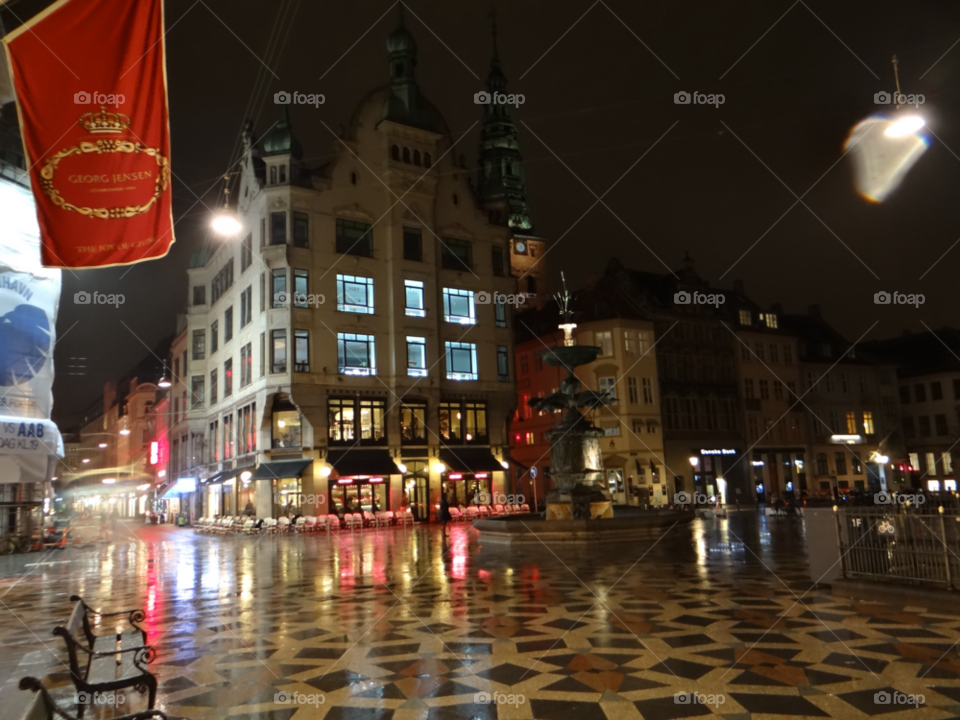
pixel 404 103
pixel 502 187
pixel 281 140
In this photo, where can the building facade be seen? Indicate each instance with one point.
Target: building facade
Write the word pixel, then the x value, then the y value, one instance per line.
pixel 340 353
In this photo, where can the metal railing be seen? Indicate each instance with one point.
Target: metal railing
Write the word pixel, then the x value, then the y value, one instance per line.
pixel 908 546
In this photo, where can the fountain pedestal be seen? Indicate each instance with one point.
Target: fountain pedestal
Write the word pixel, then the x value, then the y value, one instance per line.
pixel 576 466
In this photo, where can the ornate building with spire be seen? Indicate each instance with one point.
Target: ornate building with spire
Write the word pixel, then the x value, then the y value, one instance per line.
pixel 502 187
pixel 340 356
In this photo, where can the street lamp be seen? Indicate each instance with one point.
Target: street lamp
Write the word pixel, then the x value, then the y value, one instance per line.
pixel 226 222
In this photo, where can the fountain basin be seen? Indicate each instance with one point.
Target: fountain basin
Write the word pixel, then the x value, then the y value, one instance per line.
pixel 532 530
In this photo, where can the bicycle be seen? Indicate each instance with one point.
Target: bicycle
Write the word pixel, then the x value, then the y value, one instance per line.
pixel 14 543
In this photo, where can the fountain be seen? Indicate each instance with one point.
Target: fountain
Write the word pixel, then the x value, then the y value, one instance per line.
pixel 579 507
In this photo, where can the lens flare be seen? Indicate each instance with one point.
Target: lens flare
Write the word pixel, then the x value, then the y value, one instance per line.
pixel 883 151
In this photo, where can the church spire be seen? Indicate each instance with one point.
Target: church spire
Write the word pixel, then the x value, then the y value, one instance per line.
pixel 502 187
pixel 404 103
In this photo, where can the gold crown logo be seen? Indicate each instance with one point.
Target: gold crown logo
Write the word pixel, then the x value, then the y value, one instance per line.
pixel 104 122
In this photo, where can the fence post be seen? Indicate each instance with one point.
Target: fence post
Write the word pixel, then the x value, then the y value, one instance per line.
pixel 843 564
pixel 946 551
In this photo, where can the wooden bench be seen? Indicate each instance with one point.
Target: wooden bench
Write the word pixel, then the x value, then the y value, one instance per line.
pixel 112 661
pixel 52 711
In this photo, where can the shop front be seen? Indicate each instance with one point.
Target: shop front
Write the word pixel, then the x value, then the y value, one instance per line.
pixel 276 489
pixel 473 476
pixel 363 480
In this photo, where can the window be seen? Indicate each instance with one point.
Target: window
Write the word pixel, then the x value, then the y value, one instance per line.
pixel 909 430
pixel 652 430
pixel 647 391
pixel 278 228
pixel 416 356
pixel 413 423
pixel 609 385
pixel 247 429
pixel 356 354
pixel 771 320
pixel 354 238
pixel 413 244
pixel 278 351
pixel 461 361
pixel 644 342
pixel 629 347
pixel 914 461
pixel 246 365
pixel 524 364
pixel 286 429
pixel 503 364
pixel 822 467
pixel 222 281
pixel 246 252
pixel 905 394
pixel 745 317
pixel 301 351
pixel 764 390
pixel 604 341
pixel 868 422
pixel 199 294
pixel 227 377
pixel 844 383
pixel 341 420
pixel 228 324
pixel 940 422
pixel 263 351
pixel 633 392
pixel 936 391
pixel 760 352
pixel 372 425
pixel 856 463
pixel 774 353
pixel 924 423
pixel 279 285
pixel 413 298
pixel 777 390
pixel 301 287
pixel 246 306
pixel 931 461
pixel 196 391
pixel 500 313
pixel 947 461
pixel 456 254
pixel 841 461
pixel 199 344
pixel 458 306
pixel 920 392
pixel 497 253
pixel 263 295
pixel 450 422
pixel 852 423
pixel 612 430
pixel 787 355
pixel 301 229
pixel 475 422
pixel 214 336
pixel 213 386
pixel 748 389
pixel 355 294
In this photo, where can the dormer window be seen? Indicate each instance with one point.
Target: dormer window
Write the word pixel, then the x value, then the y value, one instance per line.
pixel 745 318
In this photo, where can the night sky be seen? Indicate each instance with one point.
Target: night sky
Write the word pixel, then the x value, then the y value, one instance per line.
pixel 599 98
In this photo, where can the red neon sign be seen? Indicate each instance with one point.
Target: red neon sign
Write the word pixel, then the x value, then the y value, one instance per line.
pixel 345 481
pixel 481 476
pixel 376 480
pixel 455 476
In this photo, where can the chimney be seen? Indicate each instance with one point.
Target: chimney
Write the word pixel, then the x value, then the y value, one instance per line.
pixel 815 310
pixel 777 308
pixel 738 287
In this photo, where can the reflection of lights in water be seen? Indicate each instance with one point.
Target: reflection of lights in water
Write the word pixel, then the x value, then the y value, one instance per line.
pixel 883 150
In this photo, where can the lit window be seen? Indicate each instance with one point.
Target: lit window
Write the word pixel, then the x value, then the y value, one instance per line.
pixel 355 294
pixel 609 385
pixel 301 285
pixel 604 341
pixel 356 354
pixel 852 423
pixel 771 320
pixel 416 356
pixel 868 422
pixel 612 430
pixel 947 462
pixel 458 306
pixel 413 293
pixel 745 318
pixel 461 360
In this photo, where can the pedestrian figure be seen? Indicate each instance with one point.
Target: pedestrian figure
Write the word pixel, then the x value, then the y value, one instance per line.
pixel 249 510
pixel 444 513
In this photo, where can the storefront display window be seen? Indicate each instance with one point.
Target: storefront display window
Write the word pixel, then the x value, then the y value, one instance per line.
pixel 354 495
pixel 475 415
pixel 450 421
pixel 287 493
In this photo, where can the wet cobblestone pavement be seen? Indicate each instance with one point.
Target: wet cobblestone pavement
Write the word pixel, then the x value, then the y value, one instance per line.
pixel 395 624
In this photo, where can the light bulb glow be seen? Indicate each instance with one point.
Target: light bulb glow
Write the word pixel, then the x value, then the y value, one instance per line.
pixel 905 126
pixel 226 224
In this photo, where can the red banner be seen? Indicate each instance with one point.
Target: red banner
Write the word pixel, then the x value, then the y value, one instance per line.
pixel 91 91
